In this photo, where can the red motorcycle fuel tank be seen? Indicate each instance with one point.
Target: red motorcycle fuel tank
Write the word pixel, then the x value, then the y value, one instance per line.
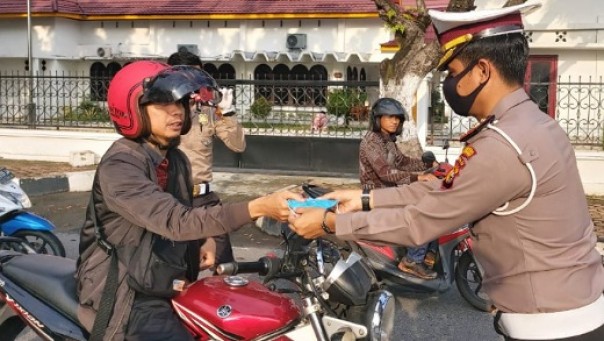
pixel 232 305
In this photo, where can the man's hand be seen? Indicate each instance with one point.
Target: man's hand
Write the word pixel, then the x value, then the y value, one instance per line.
pixel 348 200
pixel 273 205
pixel 307 222
pixel 226 104
pixel 207 254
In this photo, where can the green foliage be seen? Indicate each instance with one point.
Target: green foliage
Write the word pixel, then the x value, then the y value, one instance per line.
pixel 340 101
pixel 86 111
pixel 261 108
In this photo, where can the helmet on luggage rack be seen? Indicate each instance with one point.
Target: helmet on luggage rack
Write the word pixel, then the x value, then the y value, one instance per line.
pixel 145 82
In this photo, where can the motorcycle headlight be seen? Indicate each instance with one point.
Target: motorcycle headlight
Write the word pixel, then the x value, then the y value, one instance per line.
pixel 380 316
pixel 350 281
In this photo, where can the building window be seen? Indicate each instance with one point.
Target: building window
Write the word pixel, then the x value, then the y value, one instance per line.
pixel 211 69
pixel 263 72
pixel 288 92
pixel 226 71
pixel 318 93
pixel 100 76
pixel 299 93
pixel 281 72
pixel 540 82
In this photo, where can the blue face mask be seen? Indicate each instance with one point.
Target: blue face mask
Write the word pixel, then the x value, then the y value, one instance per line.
pixel 461 105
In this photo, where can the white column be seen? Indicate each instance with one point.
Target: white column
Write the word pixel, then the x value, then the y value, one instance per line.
pixel 423 106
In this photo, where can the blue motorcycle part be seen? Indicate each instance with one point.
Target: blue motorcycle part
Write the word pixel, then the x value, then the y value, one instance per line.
pixel 25 221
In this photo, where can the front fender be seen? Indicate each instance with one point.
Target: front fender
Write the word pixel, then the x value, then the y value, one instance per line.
pixel 25 221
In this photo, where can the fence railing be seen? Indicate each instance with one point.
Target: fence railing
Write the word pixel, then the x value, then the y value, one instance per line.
pixel 577 106
pixel 291 107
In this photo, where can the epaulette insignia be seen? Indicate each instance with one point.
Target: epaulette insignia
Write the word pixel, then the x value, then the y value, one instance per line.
pixel 477 129
pixel 466 153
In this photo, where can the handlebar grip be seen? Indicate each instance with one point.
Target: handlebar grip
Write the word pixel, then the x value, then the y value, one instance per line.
pixel 262 266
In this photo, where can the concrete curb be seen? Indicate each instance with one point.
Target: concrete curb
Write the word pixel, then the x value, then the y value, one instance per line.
pixel 68 182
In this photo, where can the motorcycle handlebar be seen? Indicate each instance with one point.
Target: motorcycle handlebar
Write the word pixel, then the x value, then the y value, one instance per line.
pixel 262 266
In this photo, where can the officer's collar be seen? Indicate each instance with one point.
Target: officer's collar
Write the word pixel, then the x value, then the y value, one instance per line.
pixel 474 131
pixel 511 100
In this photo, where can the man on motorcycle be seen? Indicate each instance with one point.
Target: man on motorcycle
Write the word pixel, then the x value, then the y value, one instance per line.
pixel 142 192
pixel 516 180
pixel 382 164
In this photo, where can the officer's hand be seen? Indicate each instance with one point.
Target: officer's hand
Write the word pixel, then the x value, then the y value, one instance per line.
pixel 273 205
pixel 226 104
pixel 307 222
pixel 207 254
pixel 349 200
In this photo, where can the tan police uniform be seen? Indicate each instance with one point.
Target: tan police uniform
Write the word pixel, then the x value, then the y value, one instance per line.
pixel 541 259
pixel 532 232
pixel 198 143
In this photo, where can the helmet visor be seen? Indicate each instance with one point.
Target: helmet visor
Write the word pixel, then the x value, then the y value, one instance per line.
pixel 178 82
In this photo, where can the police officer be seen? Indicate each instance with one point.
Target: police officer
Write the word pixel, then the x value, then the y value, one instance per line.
pixel 516 180
pixel 209 123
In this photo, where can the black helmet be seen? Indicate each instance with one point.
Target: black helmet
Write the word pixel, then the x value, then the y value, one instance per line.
pixel 387 107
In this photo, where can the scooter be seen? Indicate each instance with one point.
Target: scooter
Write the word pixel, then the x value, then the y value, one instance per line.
pixel 454 261
pixel 16 222
pixel 296 300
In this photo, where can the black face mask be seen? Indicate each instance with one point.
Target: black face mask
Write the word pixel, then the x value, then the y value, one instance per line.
pixel 461 105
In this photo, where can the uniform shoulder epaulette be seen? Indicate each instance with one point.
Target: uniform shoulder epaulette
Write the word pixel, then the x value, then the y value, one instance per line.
pixel 474 131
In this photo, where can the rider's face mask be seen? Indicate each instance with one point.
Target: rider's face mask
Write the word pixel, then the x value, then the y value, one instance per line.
pixel 461 105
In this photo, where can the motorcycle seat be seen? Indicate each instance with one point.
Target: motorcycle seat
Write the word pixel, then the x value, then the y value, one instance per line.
pixel 49 278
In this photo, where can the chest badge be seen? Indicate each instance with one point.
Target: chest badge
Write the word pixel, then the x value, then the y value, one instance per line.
pixel 467 153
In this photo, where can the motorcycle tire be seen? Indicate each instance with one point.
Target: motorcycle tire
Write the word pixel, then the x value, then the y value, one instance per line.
pixel 42 241
pixel 465 266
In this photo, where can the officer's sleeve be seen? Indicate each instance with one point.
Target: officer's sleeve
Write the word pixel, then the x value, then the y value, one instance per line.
pixel 230 131
pixel 488 179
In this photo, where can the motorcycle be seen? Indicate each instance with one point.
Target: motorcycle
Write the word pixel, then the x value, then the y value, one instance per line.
pixel 16 222
pixel 305 295
pixel 454 262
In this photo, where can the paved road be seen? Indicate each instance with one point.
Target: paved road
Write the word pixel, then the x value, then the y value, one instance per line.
pixel 418 316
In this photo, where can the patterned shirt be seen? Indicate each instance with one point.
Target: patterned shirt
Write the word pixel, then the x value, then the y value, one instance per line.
pixel 382 164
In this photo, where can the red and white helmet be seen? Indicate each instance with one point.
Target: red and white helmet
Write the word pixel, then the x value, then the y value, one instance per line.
pixel 146 82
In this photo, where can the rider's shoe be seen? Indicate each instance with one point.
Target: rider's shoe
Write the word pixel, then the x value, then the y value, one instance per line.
pixel 416 269
pixel 430 259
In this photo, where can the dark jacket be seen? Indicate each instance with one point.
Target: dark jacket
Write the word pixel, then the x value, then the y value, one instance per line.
pixel 128 201
pixel 382 164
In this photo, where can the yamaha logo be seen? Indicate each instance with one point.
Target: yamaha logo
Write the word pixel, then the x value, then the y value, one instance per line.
pixel 224 311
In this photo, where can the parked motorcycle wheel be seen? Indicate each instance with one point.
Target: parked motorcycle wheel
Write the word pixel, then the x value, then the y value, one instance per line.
pixel 42 241
pixel 469 283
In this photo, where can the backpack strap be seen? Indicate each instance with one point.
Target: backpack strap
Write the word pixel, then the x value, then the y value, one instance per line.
pixel 103 315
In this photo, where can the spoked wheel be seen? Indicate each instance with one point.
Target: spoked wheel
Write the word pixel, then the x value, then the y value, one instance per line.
pixel 42 241
pixel 469 282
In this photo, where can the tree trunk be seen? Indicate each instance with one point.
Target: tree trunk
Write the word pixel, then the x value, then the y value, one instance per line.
pixel 404 92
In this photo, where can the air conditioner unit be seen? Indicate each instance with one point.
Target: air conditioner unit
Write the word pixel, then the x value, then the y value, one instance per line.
pixel 193 48
pixel 103 52
pixel 296 41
